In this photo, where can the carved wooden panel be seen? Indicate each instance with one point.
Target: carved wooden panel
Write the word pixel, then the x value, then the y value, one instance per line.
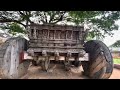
pixel 45 33
pixel 69 33
pixel 37 34
pixel 32 32
pixel 63 35
pixel 40 33
pixel 51 34
pixel 57 34
pixel 75 35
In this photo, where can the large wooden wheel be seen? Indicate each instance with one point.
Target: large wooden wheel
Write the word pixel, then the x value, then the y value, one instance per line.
pixel 100 65
pixel 11 56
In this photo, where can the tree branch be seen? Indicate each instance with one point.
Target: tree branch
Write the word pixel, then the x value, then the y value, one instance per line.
pixel 60 18
pixel 45 17
pixel 52 17
pixel 42 18
pixel 9 20
pixel 26 15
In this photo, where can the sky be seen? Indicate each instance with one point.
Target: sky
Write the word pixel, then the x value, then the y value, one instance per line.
pixel 110 40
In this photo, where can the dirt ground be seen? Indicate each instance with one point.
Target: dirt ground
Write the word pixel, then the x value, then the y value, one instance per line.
pixel 58 72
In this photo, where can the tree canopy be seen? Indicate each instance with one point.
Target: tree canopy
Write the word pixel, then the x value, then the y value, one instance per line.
pixel 98 22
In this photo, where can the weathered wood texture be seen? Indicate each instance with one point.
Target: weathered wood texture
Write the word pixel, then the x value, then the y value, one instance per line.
pixel 10 65
pixel 56 36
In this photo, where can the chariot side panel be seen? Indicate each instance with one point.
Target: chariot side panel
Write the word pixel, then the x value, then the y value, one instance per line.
pixel 56 38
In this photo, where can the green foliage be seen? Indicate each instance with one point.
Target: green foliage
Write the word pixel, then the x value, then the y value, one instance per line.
pixel 116 44
pixel 80 16
pixel 99 22
pixel 14 28
pixel 116 61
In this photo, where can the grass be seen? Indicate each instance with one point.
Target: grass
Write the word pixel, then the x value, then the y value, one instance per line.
pixel 116 61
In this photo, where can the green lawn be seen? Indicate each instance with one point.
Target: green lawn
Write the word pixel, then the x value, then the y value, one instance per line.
pixel 116 61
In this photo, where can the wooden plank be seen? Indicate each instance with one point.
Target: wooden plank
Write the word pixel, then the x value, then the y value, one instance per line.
pixel 55 47
pixel 53 50
pixel 33 39
pixel 2 52
pixel 2 55
pixel 54 42
pixel 11 59
pixel 34 33
pixel 97 68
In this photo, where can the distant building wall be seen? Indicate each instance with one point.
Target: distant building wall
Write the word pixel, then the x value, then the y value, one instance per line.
pixel 115 51
pixel 115 54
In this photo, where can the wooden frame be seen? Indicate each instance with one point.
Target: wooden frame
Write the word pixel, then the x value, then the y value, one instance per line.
pixel 51 38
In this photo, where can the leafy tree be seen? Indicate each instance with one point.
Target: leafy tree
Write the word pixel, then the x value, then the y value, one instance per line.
pixel 14 28
pixel 98 22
